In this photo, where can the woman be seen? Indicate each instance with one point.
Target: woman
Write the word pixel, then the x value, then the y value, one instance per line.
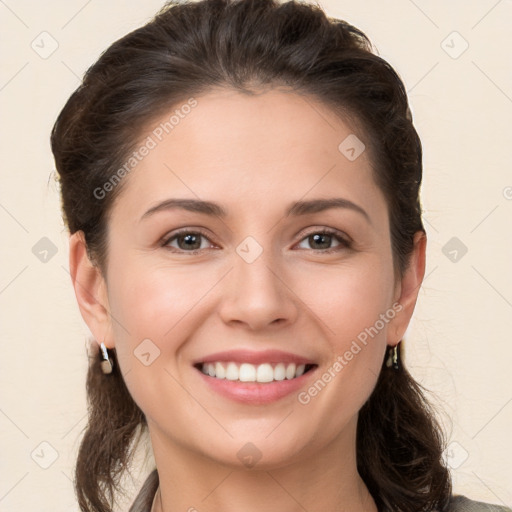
pixel 240 181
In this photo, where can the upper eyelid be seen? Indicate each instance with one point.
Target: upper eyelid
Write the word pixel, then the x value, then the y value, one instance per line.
pixel 330 231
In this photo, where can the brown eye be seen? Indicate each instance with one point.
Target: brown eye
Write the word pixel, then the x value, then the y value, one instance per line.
pixel 322 241
pixel 186 241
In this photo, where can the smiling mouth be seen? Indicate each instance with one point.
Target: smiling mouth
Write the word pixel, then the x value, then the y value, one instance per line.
pixel 261 373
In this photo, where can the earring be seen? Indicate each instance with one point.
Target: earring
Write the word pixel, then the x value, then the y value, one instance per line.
pixel 394 359
pixel 106 363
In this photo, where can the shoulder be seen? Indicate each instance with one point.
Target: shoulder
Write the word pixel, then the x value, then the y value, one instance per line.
pixel 463 504
pixel 458 503
pixel 144 500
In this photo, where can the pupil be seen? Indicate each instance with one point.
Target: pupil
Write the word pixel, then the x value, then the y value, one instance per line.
pixel 191 238
pixel 191 241
pixel 318 237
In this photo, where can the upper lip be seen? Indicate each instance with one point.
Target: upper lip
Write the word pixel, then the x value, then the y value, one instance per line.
pixel 255 357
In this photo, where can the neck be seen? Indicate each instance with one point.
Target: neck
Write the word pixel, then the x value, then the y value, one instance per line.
pixel 327 480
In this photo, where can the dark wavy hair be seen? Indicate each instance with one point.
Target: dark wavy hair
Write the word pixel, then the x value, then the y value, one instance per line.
pixel 245 45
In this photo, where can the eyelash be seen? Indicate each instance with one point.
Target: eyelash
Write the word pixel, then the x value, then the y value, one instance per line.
pixel 344 243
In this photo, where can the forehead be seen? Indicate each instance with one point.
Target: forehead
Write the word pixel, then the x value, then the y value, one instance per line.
pixel 272 147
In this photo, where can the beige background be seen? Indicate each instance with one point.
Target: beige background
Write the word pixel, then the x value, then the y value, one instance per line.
pixel 459 342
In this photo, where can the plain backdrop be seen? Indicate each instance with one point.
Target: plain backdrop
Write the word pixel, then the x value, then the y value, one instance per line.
pixel 454 58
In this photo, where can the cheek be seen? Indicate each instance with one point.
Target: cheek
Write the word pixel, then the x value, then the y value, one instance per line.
pixel 348 299
pixel 354 305
pixel 151 302
pixel 150 307
pixel 155 310
pixel 350 303
pixel 355 309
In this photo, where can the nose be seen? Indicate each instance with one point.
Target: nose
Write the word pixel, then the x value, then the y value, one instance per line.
pixel 258 295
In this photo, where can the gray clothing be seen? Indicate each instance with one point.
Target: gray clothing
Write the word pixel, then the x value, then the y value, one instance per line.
pixel 144 500
pixel 463 504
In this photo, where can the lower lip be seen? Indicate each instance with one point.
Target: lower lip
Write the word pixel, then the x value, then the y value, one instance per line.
pixel 256 393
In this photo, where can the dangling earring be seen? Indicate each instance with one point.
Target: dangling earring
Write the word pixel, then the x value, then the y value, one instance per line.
pixel 106 362
pixel 394 359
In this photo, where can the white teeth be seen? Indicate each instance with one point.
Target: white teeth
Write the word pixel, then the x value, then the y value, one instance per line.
pixel 300 370
pixel 247 372
pixel 280 372
pixel 231 371
pixel 264 373
pixel 220 371
pixel 290 371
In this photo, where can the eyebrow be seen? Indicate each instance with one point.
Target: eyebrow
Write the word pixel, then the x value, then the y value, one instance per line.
pixel 295 209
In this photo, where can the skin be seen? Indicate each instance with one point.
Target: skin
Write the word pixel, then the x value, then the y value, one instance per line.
pixel 254 156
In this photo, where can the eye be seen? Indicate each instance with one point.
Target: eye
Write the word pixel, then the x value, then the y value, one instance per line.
pixel 186 241
pixel 192 241
pixel 323 239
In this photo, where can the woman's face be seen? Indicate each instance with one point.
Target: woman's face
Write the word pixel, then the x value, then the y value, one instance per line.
pixel 259 279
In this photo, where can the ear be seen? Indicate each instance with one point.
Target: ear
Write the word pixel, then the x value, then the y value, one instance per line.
pixel 90 290
pixel 407 289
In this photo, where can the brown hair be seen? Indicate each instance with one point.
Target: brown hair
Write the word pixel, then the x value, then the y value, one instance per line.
pixel 185 50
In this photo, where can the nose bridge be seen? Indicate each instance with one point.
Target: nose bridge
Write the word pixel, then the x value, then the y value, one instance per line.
pixel 256 293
